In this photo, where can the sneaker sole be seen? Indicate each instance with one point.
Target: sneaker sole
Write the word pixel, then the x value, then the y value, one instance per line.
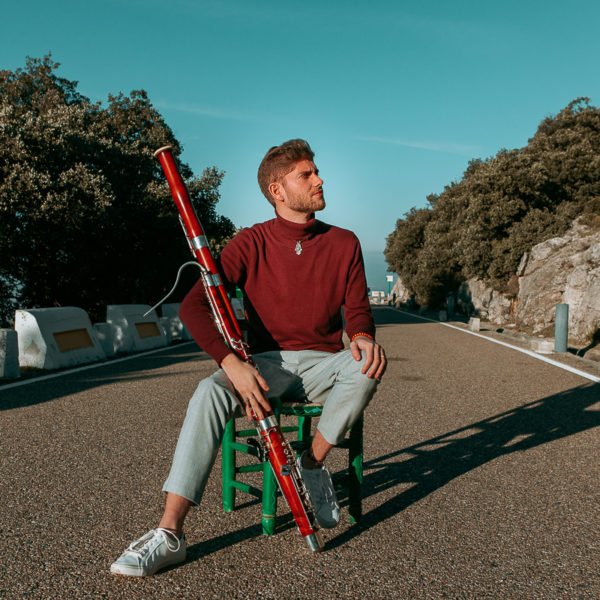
pixel 116 569
pixel 325 524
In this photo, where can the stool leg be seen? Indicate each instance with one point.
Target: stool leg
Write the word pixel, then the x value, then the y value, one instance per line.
pixel 304 426
pixel 355 468
pixel 269 488
pixel 269 499
pixel 228 466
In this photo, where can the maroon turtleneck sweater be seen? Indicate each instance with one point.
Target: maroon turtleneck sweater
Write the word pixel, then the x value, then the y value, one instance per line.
pixel 293 302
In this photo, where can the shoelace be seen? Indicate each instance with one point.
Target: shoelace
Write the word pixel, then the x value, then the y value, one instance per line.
pixel 144 544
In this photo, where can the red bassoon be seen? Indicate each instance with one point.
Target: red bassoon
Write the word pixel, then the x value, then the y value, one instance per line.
pixel 278 452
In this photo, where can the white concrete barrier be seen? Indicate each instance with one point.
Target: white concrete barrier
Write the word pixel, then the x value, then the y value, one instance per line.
pixel 104 333
pixel 52 338
pixel 9 354
pixel 543 345
pixel 474 323
pixel 238 308
pixel 177 329
pixel 165 326
pixel 132 332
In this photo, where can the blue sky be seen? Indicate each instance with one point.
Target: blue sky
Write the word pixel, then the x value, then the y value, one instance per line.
pixel 394 97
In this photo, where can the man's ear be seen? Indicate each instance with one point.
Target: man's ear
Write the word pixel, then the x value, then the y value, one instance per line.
pixel 275 189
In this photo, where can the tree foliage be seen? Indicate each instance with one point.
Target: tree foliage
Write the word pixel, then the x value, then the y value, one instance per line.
pixel 482 225
pixel 86 215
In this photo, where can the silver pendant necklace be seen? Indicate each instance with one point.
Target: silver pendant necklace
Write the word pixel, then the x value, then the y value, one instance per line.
pixel 298 249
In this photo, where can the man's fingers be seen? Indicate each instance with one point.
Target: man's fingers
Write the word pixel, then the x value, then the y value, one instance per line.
pixel 378 364
pixel 262 382
pixel 258 403
pixel 373 366
pixel 368 358
pixel 252 408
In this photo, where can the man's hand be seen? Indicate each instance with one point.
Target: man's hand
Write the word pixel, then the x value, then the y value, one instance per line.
pixel 249 385
pixel 375 361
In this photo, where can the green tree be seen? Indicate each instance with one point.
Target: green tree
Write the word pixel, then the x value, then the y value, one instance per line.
pixel 86 215
pixel 502 206
pixel 404 245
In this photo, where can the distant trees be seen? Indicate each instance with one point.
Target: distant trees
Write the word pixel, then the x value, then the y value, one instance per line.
pixel 482 225
pixel 86 217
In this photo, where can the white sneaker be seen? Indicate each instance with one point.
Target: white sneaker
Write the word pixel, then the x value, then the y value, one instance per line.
pixel 320 489
pixel 157 549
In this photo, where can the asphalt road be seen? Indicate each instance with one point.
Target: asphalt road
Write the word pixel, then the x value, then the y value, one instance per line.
pixel 481 481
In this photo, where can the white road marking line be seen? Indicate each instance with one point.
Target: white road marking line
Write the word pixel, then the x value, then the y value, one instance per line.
pixel 523 350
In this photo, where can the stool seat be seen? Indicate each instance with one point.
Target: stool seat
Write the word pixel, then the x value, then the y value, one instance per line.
pixel 304 412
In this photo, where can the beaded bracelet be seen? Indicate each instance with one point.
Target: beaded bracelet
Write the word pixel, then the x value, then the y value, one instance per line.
pixel 362 333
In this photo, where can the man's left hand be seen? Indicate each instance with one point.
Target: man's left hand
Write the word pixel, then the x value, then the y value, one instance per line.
pixel 375 361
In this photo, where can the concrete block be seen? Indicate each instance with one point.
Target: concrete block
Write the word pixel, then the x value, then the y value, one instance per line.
pixel 177 328
pixel 53 338
pixel 9 354
pixel 104 333
pixel 542 345
pixel 238 308
pixel 165 326
pixel 474 323
pixel 132 332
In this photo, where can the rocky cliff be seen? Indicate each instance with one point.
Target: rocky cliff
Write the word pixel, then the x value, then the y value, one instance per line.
pixel 564 269
pixel 560 270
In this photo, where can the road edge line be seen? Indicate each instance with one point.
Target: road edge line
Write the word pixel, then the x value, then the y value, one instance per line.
pixel 531 353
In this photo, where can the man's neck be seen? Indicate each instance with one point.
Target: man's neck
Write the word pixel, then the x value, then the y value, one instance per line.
pixel 293 215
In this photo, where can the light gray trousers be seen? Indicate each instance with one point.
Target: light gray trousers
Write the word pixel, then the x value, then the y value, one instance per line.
pixel 333 380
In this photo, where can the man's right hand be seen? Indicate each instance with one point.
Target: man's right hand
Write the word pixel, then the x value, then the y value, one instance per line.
pixel 249 385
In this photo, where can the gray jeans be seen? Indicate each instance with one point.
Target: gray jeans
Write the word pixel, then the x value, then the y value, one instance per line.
pixel 333 380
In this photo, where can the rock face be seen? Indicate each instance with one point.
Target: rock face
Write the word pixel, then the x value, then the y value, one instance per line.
pixel 475 297
pixel 402 294
pixel 562 270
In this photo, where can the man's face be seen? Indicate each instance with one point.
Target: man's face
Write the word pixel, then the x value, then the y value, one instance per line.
pixel 303 188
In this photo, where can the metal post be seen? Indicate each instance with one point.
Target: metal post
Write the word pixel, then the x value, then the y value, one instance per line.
pixel 561 328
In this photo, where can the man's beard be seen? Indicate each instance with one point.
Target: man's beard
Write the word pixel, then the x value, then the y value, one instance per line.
pixel 306 203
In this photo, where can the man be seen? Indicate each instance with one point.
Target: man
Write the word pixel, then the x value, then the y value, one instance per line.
pixel 297 274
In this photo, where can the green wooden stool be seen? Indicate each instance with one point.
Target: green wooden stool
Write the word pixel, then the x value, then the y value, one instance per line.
pixel 305 413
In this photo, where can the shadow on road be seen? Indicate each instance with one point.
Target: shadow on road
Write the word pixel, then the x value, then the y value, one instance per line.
pixel 138 368
pixel 206 547
pixel 385 316
pixel 430 465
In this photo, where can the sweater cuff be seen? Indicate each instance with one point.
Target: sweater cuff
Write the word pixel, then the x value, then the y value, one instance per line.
pixel 221 354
